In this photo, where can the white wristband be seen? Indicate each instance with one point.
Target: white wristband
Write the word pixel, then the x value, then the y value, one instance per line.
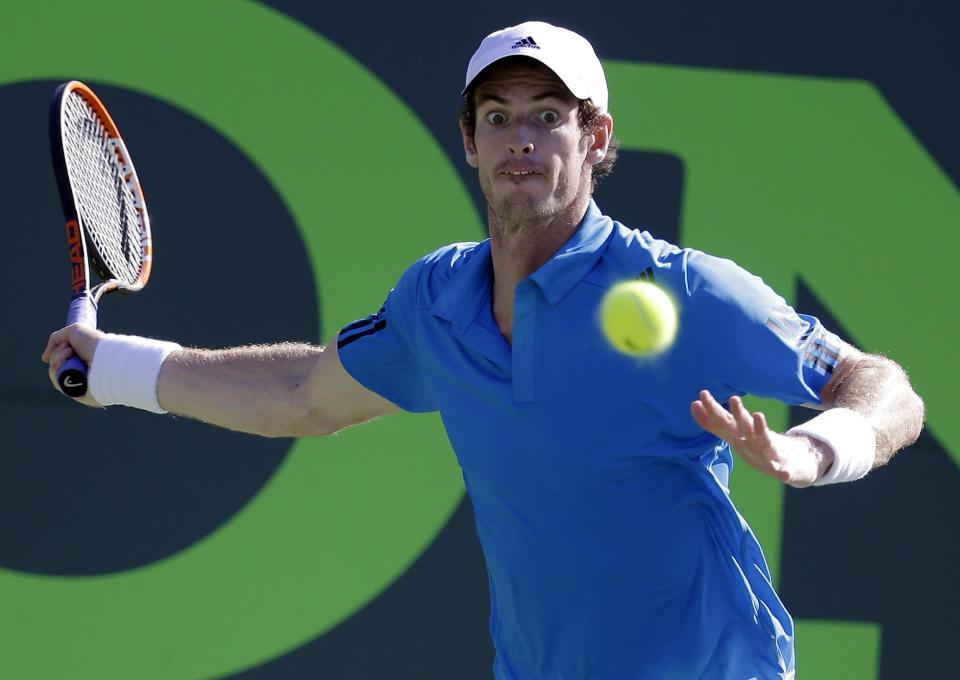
pixel 125 369
pixel 851 438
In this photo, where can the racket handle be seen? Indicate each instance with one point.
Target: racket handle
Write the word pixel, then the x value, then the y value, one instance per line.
pixel 72 376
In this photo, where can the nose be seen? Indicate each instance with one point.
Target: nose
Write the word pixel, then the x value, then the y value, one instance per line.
pixel 524 148
pixel 520 140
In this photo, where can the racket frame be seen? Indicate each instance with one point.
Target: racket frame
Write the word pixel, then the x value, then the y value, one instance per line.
pixel 82 250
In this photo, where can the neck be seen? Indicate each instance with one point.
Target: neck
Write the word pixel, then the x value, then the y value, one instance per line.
pixel 520 249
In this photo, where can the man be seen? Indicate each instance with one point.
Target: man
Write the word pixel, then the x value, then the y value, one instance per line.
pixel 599 482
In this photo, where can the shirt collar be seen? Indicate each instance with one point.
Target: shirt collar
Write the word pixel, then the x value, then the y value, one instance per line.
pixel 576 257
pixel 461 300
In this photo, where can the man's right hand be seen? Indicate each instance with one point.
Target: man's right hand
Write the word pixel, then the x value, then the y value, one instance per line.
pixel 73 340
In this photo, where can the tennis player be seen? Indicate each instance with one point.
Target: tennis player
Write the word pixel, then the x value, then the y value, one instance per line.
pixel 599 482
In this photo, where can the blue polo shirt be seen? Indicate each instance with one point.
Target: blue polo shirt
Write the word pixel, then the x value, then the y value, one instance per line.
pixel 612 546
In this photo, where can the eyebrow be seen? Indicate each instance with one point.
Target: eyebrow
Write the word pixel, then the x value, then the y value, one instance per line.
pixel 483 97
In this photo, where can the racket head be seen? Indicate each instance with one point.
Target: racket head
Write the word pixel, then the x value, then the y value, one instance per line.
pixel 108 227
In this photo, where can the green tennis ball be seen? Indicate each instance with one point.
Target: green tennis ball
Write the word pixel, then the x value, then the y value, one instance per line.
pixel 638 318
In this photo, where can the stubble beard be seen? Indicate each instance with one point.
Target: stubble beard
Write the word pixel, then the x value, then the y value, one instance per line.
pixel 526 214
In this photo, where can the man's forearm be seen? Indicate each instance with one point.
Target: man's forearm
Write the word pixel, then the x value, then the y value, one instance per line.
pixel 879 390
pixel 257 389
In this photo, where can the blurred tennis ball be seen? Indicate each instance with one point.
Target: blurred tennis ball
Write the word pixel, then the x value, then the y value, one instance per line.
pixel 638 318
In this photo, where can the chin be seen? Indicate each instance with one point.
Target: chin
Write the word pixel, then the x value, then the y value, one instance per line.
pixel 518 206
pixel 518 213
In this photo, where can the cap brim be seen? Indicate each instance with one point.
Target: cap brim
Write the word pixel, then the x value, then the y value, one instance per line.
pixel 534 57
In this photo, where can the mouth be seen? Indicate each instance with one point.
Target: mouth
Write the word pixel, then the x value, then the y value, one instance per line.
pixel 513 173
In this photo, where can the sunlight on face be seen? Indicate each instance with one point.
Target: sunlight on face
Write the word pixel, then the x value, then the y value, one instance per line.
pixel 529 150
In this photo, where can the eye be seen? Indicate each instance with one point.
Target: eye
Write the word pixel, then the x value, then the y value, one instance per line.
pixel 550 117
pixel 496 118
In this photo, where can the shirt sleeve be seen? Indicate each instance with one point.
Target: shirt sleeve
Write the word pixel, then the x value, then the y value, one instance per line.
pixel 380 350
pixel 751 341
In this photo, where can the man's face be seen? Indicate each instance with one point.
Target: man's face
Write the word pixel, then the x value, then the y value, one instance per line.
pixel 533 159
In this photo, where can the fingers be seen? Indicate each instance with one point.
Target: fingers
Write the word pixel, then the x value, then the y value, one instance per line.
pixel 742 417
pixel 769 452
pixel 699 413
pixel 747 432
pixel 74 340
pixel 56 355
pixel 81 338
pixel 56 340
pixel 62 353
pixel 737 422
pixel 714 410
pixel 712 417
pixel 53 341
pixel 56 358
pixel 761 431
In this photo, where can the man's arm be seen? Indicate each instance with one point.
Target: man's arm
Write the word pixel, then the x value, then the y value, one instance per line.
pixel 273 390
pixel 879 390
pixel 288 390
pixel 872 386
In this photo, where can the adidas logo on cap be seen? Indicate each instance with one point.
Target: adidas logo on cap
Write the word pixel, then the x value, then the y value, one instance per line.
pixel 527 42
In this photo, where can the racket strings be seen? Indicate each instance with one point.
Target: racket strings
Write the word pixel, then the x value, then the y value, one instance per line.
pixel 108 207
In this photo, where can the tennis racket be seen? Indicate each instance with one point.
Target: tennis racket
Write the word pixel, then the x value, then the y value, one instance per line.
pixel 108 229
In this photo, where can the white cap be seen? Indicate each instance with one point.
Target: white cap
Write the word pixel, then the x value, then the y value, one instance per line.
pixel 564 52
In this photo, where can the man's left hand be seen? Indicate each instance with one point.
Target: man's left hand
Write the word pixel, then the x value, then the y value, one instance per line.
pixel 794 460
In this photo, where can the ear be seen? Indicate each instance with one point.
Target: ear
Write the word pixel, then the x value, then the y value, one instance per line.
pixel 469 148
pixel 600 140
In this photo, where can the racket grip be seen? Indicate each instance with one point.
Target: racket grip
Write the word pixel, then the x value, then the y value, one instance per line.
pixel 82 310
pixel 72 376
